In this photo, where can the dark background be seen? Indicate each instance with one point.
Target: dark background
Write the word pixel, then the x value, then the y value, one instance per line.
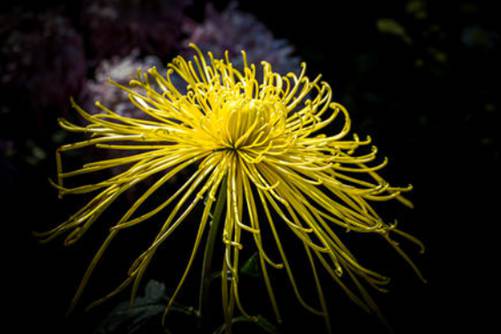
pixel 421 77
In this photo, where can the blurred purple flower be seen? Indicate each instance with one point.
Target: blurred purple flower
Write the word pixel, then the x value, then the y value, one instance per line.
pixel 116 27
pixel 121 70
pixel 42 61
pixel 234 30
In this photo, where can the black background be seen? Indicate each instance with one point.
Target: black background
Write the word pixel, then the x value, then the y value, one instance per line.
pixel 434 116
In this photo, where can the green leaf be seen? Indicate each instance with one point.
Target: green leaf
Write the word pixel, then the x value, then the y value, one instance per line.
pixel 392 27
pixel 251 266
pixel 259 321
pixel 140 317
pixel 266 325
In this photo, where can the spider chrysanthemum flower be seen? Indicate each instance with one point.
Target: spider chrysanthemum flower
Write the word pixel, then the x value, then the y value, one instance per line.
pixel 261 162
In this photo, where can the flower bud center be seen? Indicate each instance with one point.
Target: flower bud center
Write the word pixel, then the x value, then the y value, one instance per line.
pixel 253 123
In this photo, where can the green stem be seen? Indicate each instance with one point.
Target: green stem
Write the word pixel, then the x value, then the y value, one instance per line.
pixel 209 251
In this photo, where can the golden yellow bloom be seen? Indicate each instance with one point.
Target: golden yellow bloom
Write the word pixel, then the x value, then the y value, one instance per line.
pixel 258 145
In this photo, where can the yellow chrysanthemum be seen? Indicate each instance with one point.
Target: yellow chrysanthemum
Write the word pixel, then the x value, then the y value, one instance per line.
pixel 258 146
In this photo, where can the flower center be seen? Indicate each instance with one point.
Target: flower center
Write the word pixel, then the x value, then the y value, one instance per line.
pixel 252 123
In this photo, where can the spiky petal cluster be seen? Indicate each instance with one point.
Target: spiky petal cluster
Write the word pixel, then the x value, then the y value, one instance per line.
pixel 260 143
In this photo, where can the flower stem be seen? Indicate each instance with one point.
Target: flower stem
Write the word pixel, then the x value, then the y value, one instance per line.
pixel 209 251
